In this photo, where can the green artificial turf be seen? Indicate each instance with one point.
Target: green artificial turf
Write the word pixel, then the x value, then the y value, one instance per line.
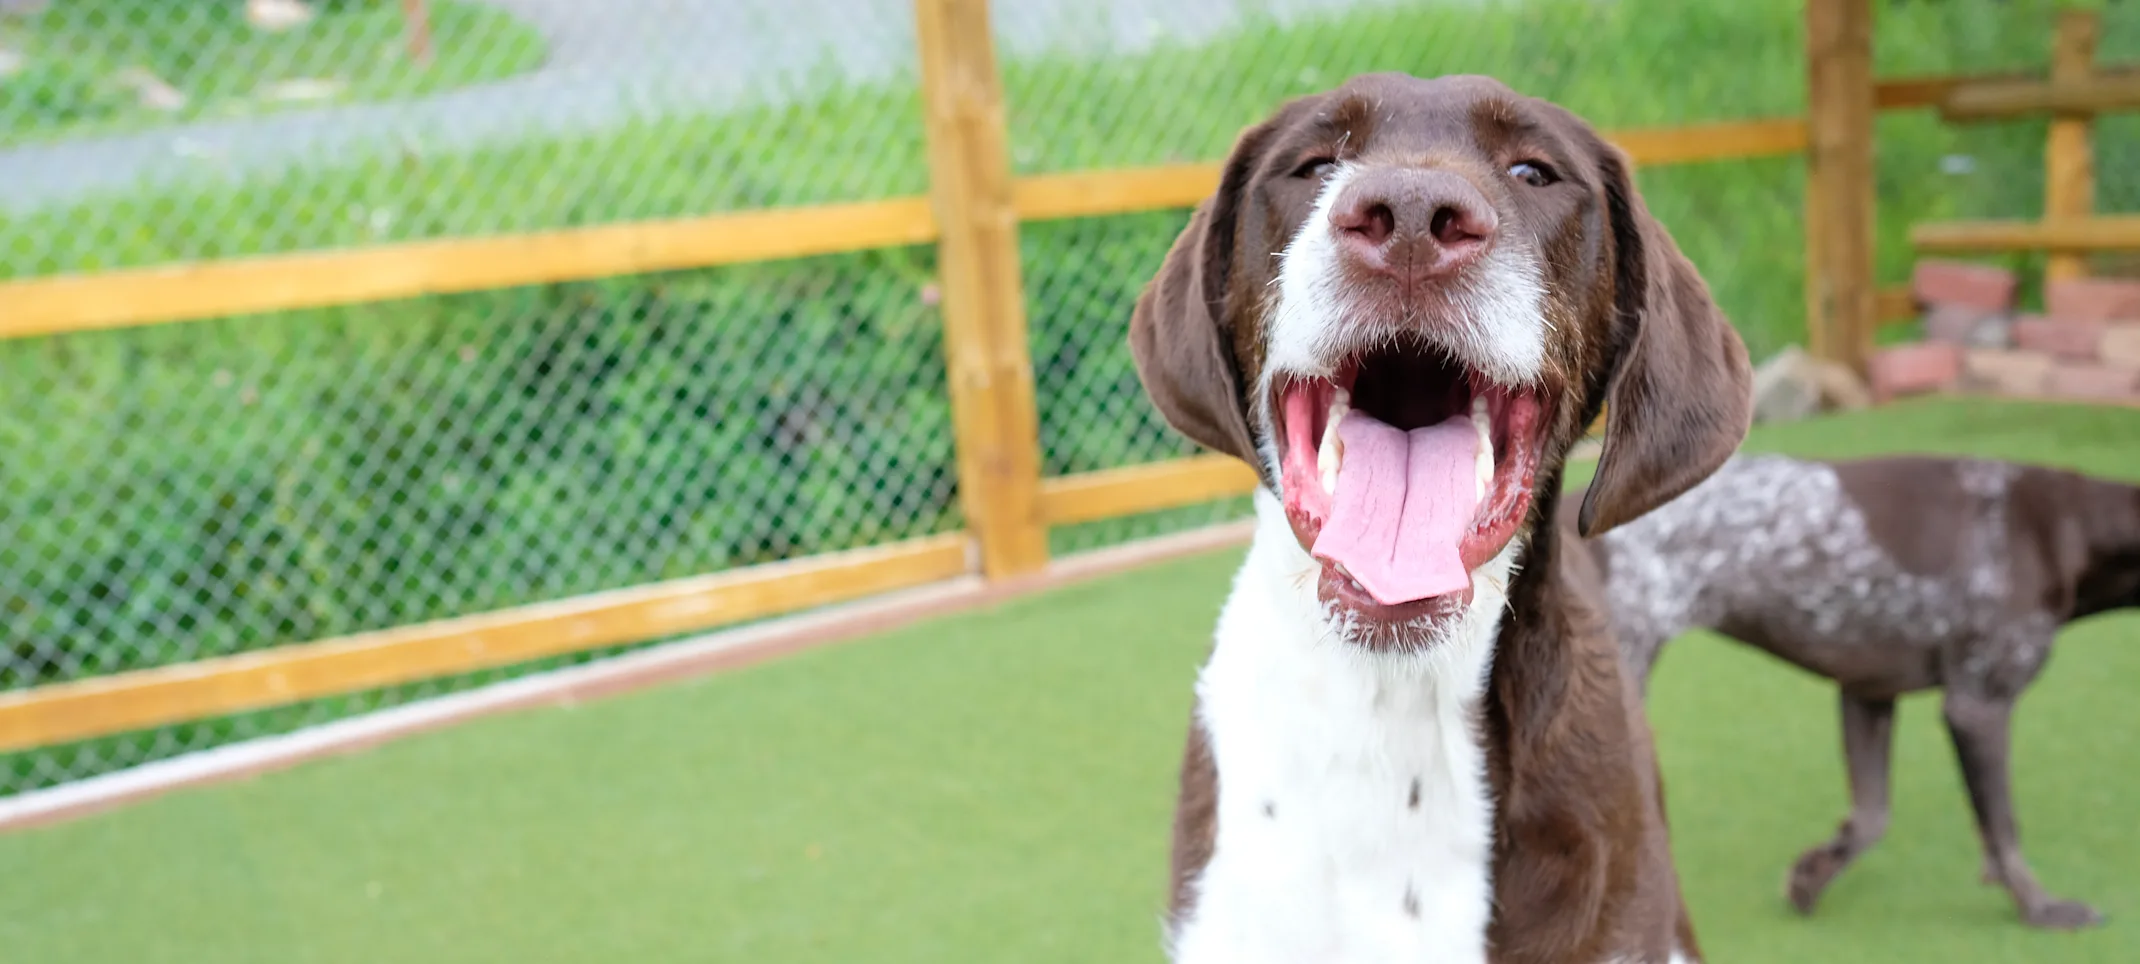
pixel 996 786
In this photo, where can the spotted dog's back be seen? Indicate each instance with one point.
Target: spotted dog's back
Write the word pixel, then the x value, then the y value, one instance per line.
pixel 1860 572
pixel 1887 576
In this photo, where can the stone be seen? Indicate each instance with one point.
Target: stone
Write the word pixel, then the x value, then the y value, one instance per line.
pixel 1937 282
pixel 1916 368
pixel 1792 385
pixel 1841 389
pixel 2092 299
pixel 1782 392
pixel 2059 336
pixel 2092 381
pixel 2121 346
pixel 1968 327
pixel 2004 371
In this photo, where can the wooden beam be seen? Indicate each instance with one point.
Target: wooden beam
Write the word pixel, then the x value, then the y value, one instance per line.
pixel 2068 155
pixel 2071 235
pixel 1839 181
pixel 213 289
pixel 1898 303
pixel 2005 100
pixel 1906 93
pixel 1112 493
pixel 994 414
pixel 1931 90
pixel 1660 146
pixel 1084 194
pixel 238 286
pixel 214 687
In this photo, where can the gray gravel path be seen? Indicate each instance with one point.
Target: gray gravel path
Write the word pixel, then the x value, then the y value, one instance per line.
pixel 612 61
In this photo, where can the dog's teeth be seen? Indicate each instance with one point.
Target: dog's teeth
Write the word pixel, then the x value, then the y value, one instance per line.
pixel 1483 422
pixel 1331 453
pixel 1327 459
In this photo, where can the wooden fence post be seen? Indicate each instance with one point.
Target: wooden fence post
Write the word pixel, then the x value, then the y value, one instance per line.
pixel 1840 300
pixel 991 365
pixel 2068 157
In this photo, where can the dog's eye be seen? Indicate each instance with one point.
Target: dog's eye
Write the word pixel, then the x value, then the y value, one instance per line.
pixel 1533 173
pixel 1316 167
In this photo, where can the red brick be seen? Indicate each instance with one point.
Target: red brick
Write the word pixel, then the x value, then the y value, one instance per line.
pixel 2059 336
pixel 2005 371
pixel 1936 282
pixel 1926 366
pixel 2121 346
pixel 2092 299
pixel 1963 325
pixel 2081 380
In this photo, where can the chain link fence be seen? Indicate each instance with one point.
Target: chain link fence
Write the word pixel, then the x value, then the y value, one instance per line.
pixel 185 491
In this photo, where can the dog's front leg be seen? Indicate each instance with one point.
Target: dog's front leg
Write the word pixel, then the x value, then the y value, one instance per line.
pixel 1868 736
pixel 1981 728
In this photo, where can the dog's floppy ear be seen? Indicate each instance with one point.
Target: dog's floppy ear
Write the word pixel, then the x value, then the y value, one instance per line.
pixel 1680 396
pixel 1181 334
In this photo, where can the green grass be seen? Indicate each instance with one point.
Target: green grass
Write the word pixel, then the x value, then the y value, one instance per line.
pixel 74 55
pixel 997 786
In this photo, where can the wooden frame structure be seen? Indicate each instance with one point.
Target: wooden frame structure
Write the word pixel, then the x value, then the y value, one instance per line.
pixel 2077 91
pixel 972 213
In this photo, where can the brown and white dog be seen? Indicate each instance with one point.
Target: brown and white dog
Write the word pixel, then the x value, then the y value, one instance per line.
pixel 1412 740
pixel 1888 576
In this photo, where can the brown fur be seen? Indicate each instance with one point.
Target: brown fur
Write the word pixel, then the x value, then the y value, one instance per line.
pixel 1582 868
pixel 2013 552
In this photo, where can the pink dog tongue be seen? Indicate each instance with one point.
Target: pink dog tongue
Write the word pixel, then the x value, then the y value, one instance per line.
pixel 1404 502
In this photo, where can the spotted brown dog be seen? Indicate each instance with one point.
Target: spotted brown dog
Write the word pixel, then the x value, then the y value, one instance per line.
pixel 1888 576
pixel 1413 740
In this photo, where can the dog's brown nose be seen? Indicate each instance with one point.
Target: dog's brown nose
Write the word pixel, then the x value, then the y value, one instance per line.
pixel 1412 224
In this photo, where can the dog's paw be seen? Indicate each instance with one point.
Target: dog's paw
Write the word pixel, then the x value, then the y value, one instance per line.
pixel 2065 915
pixel 1810 876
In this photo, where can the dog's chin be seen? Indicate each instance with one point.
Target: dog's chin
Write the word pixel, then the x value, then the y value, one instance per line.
pixel 1419 626
pixel 1406 627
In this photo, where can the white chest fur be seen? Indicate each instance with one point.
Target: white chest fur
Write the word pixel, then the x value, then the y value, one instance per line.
pixel 1354 819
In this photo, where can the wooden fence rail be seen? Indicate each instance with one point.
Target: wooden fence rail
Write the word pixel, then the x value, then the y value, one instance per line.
pixel 2070 235
pixel 317 279
pixel 272 677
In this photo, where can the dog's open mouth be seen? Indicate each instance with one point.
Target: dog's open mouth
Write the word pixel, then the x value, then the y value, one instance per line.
pixel 1403 473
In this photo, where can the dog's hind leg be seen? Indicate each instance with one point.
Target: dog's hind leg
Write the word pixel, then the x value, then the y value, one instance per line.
pixel 1980 726
pixel 1868 734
